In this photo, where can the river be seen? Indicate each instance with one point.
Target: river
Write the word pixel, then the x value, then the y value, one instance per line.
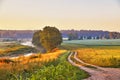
pixel 28 43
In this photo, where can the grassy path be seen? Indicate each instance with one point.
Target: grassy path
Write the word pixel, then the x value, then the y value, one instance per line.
pixel 96 72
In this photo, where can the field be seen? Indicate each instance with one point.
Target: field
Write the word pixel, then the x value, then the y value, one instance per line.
pixel 49 66
pixel 54 65
pixel 111 42
pixel 100 57
pixel 104 53
pixel 59 69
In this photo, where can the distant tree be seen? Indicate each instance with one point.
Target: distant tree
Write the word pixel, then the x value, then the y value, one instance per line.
pixel 89 37
pixel 80 37
pixel 49 38
pixel 73 36
pixel 97 37
pixel 114 35
pixel 70 36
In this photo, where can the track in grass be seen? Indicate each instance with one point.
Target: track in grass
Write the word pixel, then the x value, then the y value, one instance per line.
pixel 99 73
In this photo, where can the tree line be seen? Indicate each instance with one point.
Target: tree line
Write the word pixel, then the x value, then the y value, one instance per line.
pixel 71 34
pixel 89 34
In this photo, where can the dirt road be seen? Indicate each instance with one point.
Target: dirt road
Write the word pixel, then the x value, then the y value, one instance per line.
pixel 96 73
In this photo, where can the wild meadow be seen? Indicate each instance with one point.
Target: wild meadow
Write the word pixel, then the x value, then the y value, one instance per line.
pixel 59 69
pixel 54 65
pixel 100 57
pixel 11 67
pixel 104 53
pixel 48 66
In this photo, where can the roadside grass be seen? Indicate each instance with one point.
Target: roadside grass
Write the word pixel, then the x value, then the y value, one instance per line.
pixel 59 69
pixel 79 63
pixel 52 66
pixel 25 66
pixel 105 54
pixel 100 57
pixel 56 68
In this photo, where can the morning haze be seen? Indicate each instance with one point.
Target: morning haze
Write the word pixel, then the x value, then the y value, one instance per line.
pixel 64 14
pixel 59 39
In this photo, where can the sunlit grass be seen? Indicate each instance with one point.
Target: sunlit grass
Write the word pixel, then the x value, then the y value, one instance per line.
pixel 39 57
pixel 100 57
pixel 26 64
pixel 59 69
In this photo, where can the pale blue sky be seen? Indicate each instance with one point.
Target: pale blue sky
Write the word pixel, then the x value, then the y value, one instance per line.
pixel 64 14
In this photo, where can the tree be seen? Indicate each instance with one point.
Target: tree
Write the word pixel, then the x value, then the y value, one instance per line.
pixel 73 36
pixel 49 38
pixel 36 38
pixel 114 35
pixel 36 41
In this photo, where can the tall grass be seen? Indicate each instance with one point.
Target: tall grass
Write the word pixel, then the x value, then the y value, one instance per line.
pixel 100 57
pixel 25 66
pixel 59 69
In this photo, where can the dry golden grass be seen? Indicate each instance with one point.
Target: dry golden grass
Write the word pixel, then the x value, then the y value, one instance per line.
pixel 39 57
pixel 27 63
pixel 100 57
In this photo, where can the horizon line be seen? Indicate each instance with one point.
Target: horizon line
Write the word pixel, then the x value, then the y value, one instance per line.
pixel 58 29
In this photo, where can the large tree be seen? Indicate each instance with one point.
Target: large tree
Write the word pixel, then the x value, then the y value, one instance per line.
pixel 36 38
pixel 36 41
pixel 49 38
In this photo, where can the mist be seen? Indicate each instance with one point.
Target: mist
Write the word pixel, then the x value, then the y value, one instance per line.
pixel 1 1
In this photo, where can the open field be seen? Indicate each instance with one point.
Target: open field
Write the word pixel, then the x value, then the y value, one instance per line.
pixel 59 69
pixel 21 64
pixel 37 66
pixel 109 42
pixel 98 52
pixel 100 57
pixel 96 72
pixel 54 66
pixel 50 66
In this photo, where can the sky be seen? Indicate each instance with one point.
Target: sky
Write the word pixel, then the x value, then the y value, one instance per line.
pixel 63 14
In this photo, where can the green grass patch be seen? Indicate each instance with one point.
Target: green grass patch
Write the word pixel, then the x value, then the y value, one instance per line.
pixel 103 53
pixel 74 46
pixel 59 69
pixel 107 42
pixel 97 44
